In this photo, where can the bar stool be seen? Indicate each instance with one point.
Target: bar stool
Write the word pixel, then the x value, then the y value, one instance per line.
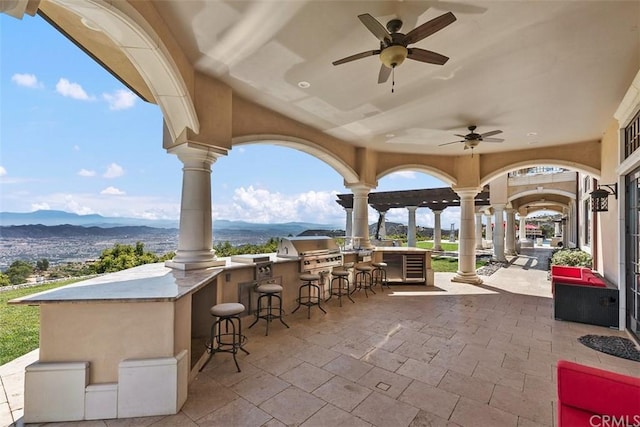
pixel 379 275
pixel 363 279
pixel 226 331
pixel 308 287
pixel 339 283
pixel 269 291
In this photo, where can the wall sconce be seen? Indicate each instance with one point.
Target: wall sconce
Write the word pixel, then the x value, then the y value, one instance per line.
pixel 600 197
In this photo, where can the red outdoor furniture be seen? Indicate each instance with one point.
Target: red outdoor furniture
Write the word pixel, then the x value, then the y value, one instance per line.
pixel 590 397
pixel 582 295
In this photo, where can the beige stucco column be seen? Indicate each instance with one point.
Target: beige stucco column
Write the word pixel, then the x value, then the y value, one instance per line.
pixel 488 231
pixel 361 214
pixel 556 229
pixel 467 240
pixel 510 239
pixel 411 229
pixel 498 233
pixel 382 233
pixel 437 231
pixel 522 232
pixel 195 239
pixel 479 230
pixel 348 232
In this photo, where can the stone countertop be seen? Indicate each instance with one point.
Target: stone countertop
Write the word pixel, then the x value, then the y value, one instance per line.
pixel 145 283
pixel 400 249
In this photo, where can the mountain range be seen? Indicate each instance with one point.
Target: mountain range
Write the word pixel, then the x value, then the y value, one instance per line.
pixel 57 218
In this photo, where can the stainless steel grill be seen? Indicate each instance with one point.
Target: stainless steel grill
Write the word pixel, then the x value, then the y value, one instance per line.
pixel 316 253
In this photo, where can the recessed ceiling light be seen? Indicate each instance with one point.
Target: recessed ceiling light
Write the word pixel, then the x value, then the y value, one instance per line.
pixel 304 85
pixel 532 134
pixel 390 135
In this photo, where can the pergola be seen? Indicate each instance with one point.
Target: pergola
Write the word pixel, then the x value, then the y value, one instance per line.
pixel 436 199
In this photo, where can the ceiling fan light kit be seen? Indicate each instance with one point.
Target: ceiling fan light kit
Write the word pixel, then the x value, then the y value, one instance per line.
pixel 393 55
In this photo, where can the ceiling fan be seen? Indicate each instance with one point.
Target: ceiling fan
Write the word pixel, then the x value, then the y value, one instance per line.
pixel 394 46
pixel 472 139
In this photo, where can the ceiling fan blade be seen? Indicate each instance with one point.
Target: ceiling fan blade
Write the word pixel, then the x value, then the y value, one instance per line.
pixel 461 136
pixel 428 28
pixel 376 28
pixel 423 55
pixel 493 132
pixel 492 140
pixel 384 74
pixel 449 143
pixel 356 56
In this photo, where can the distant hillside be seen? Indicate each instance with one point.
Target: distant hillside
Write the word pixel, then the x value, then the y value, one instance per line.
pixel 47 231
pixel 53 218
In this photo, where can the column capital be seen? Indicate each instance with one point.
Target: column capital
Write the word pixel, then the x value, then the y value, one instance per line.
pixel 360 188
pixel 189 153
pixel 437 211
pixel 467 192
pixel 411 208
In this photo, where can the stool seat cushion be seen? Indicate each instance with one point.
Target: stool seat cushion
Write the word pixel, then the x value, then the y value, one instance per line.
pixel 379 264
pixel 269 288
pixel 364 268
pixel 309 277
pixel 340 273
pixel 227 309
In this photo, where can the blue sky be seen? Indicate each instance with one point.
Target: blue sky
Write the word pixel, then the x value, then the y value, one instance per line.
pixel 73 138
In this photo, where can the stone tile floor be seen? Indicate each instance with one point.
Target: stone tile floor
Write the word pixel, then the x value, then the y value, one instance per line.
pixel 456 355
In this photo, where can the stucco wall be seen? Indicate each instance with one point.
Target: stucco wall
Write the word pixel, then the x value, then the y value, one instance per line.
pixel 607 233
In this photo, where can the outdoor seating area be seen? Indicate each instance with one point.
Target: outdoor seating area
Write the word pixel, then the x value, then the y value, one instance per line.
pixel 472 355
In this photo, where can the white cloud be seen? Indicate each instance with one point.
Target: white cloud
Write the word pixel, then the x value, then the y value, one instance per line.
pixel 27 80
pixel 3 171
pixel 120 99
pixel 40 207
pixel 113 191
pixel 72 90
pixel 85 172
pixel 113 171
pixel 262 206
pixel 76 148
pixel 103 204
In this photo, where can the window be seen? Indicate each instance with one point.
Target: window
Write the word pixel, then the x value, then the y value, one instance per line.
pixel 631 135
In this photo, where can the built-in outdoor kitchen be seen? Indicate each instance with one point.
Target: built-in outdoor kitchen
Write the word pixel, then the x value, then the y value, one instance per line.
pixel 127 344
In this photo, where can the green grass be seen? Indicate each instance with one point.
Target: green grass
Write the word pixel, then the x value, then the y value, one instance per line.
pixel 20 324
pixel 446 246
pixel 448 265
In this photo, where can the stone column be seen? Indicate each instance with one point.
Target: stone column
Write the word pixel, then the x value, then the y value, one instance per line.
pixel 510 239
pixel 437 231
pixel 348 232
pixel 488 231
pixel 382 233
pixel 479 230
pixel 522 232
pixel 195 239
pixel 556 229
pixel 498 233
pixel 411 229
pixel 467 240
pixel 361 214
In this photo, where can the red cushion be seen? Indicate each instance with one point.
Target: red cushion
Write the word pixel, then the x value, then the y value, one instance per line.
pixel 569 416
pixel 566 271
pixel 596 391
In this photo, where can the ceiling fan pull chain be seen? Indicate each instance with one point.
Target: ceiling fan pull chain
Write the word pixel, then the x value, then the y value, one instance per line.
pixel 393 78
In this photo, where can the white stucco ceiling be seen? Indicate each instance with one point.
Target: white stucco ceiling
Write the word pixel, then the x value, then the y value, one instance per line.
pixel 544 72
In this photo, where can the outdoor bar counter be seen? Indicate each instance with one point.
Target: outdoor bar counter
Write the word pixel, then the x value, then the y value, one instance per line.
pixel 127 344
